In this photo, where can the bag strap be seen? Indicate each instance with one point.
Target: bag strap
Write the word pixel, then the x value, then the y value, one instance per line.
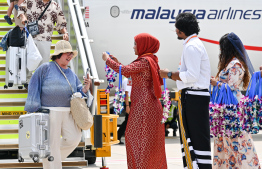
pixel 44 10
pixel 221 93
pixel 252 83
pixel 259 86
pixel 120 78
pixel 215 92
pixel 64 76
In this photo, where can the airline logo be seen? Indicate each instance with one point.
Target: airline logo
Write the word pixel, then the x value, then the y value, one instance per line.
pixel 212 14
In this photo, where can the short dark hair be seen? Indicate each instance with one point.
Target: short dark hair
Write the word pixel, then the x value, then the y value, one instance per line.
pixel 187 23
pixel 53 58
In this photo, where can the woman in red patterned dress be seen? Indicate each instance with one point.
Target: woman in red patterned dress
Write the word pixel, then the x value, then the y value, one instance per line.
pixel 145 135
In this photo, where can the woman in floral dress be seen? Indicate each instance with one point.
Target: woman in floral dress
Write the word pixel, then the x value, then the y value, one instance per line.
pixel 234 67
pixel 145 135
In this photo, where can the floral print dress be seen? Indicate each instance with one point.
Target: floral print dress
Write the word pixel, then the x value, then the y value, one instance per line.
pixel 239 152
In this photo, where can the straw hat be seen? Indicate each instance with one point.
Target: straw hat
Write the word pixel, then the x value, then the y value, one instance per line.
pixel 63 46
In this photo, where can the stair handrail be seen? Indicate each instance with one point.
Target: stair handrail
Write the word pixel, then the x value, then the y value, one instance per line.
pixel 84 47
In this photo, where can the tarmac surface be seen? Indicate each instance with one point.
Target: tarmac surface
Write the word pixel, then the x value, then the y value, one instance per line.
pixel 173 154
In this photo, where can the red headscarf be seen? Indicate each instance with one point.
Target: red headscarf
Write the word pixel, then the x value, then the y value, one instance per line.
pixel 147 45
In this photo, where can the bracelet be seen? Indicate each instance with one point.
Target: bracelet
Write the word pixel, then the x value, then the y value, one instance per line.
pixel 127 105
pixel 66 33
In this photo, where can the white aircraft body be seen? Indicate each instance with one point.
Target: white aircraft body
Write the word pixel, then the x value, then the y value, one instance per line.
pixel 112 25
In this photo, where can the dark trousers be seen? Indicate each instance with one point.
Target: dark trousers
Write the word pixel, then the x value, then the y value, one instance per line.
pixel 195 118
pixel 122 128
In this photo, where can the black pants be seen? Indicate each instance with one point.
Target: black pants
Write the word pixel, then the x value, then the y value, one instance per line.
pixel 122 128
pixel 195 118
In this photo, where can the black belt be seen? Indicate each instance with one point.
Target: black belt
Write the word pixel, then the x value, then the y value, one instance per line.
pixel 190 89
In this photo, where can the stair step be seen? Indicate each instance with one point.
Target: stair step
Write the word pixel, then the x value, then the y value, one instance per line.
pixel 2 80
pixel 12 91
pixel 39 165
pixel 3 12
pixel 8 131
pixel 3 4
pixel 12 104
pixel 8 146
pixel 2 57
pixel 8 117
pixel 15 146
pixel 2 20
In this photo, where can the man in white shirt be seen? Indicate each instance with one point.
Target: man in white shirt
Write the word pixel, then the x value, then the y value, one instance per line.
pixel 193 79
pixel 127 85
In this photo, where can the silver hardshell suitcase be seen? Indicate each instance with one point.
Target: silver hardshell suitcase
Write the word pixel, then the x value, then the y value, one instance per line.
pixel 34 137
pixel 16 67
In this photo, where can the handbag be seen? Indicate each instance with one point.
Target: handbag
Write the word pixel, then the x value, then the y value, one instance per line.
pixel 33 55
pixel 78 108
pixel 33 26
pixel 16 37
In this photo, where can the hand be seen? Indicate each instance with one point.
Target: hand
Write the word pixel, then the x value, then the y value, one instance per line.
pixel 105 56
pixel 163 73
pixel 23 19
pixel 66 37
pixel 213 81
pixel 87 83
pixel 127 109
pixel 260 68
pixel 114 58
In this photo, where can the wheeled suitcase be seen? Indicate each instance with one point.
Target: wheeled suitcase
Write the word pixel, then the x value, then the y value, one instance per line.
pixel 16 59
pixel 16 66
pixel 34 137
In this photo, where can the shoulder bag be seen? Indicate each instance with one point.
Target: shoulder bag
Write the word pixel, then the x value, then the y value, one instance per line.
pixel 33 26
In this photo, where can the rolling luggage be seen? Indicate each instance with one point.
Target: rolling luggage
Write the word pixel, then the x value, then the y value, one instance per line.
pixel 34 137
pixel 16 59
pixel 16 67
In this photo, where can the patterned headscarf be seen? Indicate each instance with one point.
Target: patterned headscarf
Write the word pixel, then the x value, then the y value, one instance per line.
pixel 237 43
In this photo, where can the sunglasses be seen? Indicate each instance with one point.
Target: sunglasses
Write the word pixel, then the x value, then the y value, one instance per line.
pixel 69 53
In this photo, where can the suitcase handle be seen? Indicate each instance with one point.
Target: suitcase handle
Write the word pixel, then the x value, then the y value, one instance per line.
pixel 40 110
pixel 46 134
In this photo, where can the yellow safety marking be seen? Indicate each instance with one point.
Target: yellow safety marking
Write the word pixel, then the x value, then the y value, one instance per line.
pixel 27 134
pixel 183 135
pixel 12 112
pixel 2 72
pixel 8 136
pixel 10 96
pixel 2 62
pixel 8 122
pixel 2 84
pixel 12 109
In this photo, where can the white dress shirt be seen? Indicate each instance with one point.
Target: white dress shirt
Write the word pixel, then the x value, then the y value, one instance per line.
pixel 194 68
pixel 126 87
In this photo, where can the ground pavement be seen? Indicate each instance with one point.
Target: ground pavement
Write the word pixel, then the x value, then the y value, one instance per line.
pixel 173 154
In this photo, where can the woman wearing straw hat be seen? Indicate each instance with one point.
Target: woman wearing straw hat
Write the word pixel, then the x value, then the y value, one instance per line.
pixel 49 89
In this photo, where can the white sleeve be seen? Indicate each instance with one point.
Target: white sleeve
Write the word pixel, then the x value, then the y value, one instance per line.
pixel 124 84
pixel 192 60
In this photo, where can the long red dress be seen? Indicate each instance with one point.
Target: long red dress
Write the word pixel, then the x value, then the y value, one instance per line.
pixel 145 135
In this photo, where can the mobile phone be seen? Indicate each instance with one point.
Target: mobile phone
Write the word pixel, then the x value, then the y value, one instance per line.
pixel 87 72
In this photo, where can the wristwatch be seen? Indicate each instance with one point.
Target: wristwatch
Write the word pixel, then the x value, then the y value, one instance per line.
pixel 169 74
